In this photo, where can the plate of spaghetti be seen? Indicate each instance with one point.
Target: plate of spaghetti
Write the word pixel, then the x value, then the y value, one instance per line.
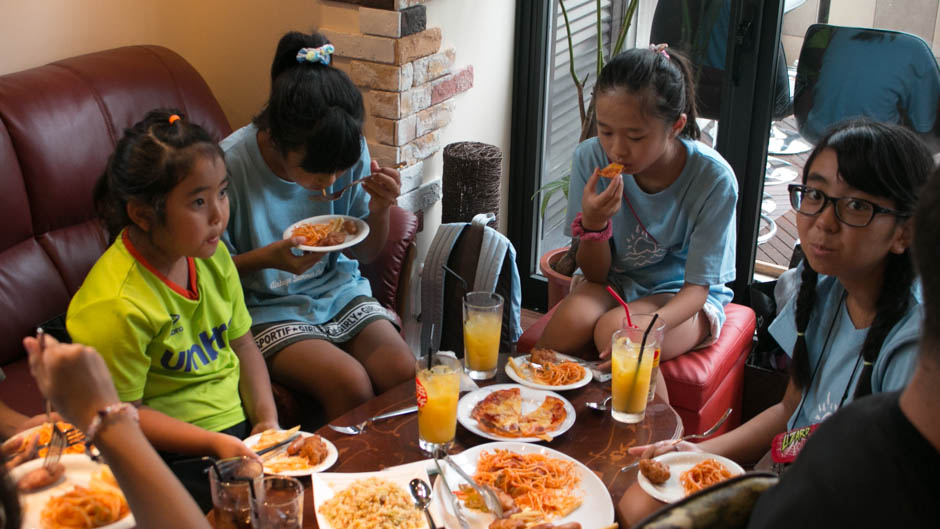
pixel 555 373
pixel 328 233
pixel 689 472
pixel 544 485
pixel 87 497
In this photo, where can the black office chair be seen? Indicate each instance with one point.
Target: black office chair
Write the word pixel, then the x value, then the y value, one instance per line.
pixel 699 28
pixel 846 72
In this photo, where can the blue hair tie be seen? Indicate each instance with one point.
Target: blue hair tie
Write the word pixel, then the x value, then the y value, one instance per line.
pixel 321 54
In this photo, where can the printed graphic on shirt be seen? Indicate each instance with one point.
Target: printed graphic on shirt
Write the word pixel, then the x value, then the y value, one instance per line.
pixel 198 354
pixel 639 251
pixel 825 408
pixel 314 272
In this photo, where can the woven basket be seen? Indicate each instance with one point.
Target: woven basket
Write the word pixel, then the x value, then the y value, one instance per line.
pixel 471 181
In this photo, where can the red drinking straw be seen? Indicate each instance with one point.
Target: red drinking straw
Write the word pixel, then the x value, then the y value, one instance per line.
pixel 626 309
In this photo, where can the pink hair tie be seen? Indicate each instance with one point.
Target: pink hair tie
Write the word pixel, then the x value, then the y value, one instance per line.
pixel 660 48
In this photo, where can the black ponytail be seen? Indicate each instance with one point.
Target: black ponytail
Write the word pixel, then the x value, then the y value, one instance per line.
pixel 663 78
pixel 805 301
pixel 892 304
pixel 313 108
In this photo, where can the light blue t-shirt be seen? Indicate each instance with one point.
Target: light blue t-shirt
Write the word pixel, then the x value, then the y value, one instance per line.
pixel 262 207
pixel 889 78
pixel 691 223
pixel 841 367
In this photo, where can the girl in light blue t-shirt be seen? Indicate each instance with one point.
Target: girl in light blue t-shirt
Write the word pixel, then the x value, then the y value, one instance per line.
pixel 854 325
pixel 662 233
pixel 315 320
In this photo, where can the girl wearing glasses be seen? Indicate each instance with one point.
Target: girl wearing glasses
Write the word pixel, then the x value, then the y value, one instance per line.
pixel 854 325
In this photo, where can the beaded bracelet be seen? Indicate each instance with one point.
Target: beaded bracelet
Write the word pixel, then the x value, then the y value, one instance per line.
pixel 120 408
pixel 577 230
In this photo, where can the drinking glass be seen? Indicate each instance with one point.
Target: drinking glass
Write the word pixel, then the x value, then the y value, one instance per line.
pixel 482 323
pixel 282 506
pixel 232 492
pixel 632 368
pixel 437 389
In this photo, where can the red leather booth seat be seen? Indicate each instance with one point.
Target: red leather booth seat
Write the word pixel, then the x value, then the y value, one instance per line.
pixel 704 383
pixel 58 125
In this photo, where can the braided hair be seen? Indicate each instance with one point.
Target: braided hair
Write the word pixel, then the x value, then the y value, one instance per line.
pixel 886 161
pixel 152 156
pixel 313 108
pixel 662 79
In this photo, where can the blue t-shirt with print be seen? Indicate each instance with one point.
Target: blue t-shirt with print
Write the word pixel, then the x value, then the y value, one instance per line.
pixel 836 365
pixel 689 231
pixel 262 207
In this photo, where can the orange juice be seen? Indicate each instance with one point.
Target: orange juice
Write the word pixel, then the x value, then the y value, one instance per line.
pixel 482 323
pixel 481 340
pixel 437 391
pixel 631 374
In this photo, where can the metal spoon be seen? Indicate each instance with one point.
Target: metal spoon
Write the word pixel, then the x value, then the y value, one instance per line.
pixel 603 405
pixel 421 492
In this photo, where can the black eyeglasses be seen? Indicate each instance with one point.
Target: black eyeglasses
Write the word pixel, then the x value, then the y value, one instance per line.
pixel 855 212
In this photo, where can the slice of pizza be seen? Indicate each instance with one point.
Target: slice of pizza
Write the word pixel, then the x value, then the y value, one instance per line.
pixel 611 170
pixel 499 412
pixel 544 419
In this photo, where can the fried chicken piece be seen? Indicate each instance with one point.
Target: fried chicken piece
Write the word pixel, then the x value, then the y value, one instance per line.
pixel 337 237
pixel 542 355
pixel 507 523
pixel 314 449
pixel 654 471
pixel 40 477
pixel 350 227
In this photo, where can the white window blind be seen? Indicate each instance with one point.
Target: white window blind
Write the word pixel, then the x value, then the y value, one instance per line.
pixel 563 118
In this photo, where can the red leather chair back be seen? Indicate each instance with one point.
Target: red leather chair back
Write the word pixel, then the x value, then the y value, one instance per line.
pixel 58 125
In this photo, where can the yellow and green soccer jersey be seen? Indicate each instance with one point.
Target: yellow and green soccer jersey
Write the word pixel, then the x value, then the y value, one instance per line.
pixel 165 345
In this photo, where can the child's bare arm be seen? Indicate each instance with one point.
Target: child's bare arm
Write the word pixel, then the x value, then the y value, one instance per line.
pixel 278 255
pixel 686 303
pixel 254 384
pixel 383 187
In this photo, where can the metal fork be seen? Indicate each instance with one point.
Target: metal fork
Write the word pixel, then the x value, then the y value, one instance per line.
pixel 356 429
pixel 58 441
pixel 485 492
pixel 329 197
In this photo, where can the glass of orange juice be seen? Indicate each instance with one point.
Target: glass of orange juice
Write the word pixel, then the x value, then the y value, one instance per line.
pixel 437 389
pixel 482 323
pixel 632 368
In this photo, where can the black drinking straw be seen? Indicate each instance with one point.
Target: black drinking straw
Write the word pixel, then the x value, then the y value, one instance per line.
pixel 431 346
pixel 639 359
pixel 218 471
pixel 647 331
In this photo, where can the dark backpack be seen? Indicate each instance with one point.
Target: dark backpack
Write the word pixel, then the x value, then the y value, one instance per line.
pixel 486 260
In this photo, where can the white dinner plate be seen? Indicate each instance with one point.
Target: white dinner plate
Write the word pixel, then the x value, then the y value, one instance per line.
pixel 328 484
pixel 522 363
pixel 596 509
pixel 331 456
pixel 78 471
pixel 678 462
pixel 531 399
pixel 351 240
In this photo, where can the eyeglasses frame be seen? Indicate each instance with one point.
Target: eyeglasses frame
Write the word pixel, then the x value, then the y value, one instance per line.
pixel 876 209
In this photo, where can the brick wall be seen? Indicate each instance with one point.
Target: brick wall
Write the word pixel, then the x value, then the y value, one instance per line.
pixel 408 84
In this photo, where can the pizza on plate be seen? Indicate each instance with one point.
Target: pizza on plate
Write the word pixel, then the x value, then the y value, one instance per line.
pixel 500 413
